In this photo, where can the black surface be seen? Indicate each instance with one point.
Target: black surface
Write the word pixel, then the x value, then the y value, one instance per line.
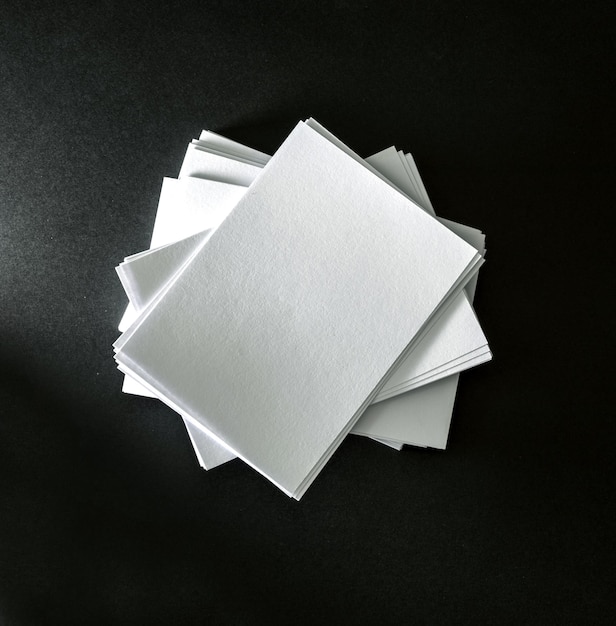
pixel 105 516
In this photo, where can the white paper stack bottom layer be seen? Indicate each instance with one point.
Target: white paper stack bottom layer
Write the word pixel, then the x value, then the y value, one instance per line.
pixel 284 296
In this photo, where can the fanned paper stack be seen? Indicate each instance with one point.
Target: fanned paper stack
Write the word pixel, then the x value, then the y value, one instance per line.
pixel 288 301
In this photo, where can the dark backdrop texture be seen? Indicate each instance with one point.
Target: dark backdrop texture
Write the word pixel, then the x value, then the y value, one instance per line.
pixel 105 516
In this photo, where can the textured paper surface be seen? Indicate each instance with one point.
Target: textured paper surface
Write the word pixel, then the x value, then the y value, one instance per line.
pixel 209 453
pixel 427 204
pixel 454 342
pixel 404 430
pixel 200 163
pixel 144 275
pixel 191 205
pixel 232 148
pixel 313 338
pixel 186 207
pixel 421 417
pixel 429 362
pixel 389 161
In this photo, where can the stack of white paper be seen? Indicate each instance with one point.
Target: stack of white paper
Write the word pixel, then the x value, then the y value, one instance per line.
pixel 283 296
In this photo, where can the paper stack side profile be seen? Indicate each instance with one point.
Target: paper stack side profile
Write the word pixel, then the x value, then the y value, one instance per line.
pixel 288 301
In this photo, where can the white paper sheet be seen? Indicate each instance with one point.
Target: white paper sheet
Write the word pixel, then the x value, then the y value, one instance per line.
pixel 421 417
pixel 190 216
pixel 456 343
pixel 200 163
pixel 191 205
pixel 145 274
pixel 232 148
pixel 343 249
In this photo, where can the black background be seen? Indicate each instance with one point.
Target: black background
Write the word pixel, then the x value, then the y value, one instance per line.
pixel 105 516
